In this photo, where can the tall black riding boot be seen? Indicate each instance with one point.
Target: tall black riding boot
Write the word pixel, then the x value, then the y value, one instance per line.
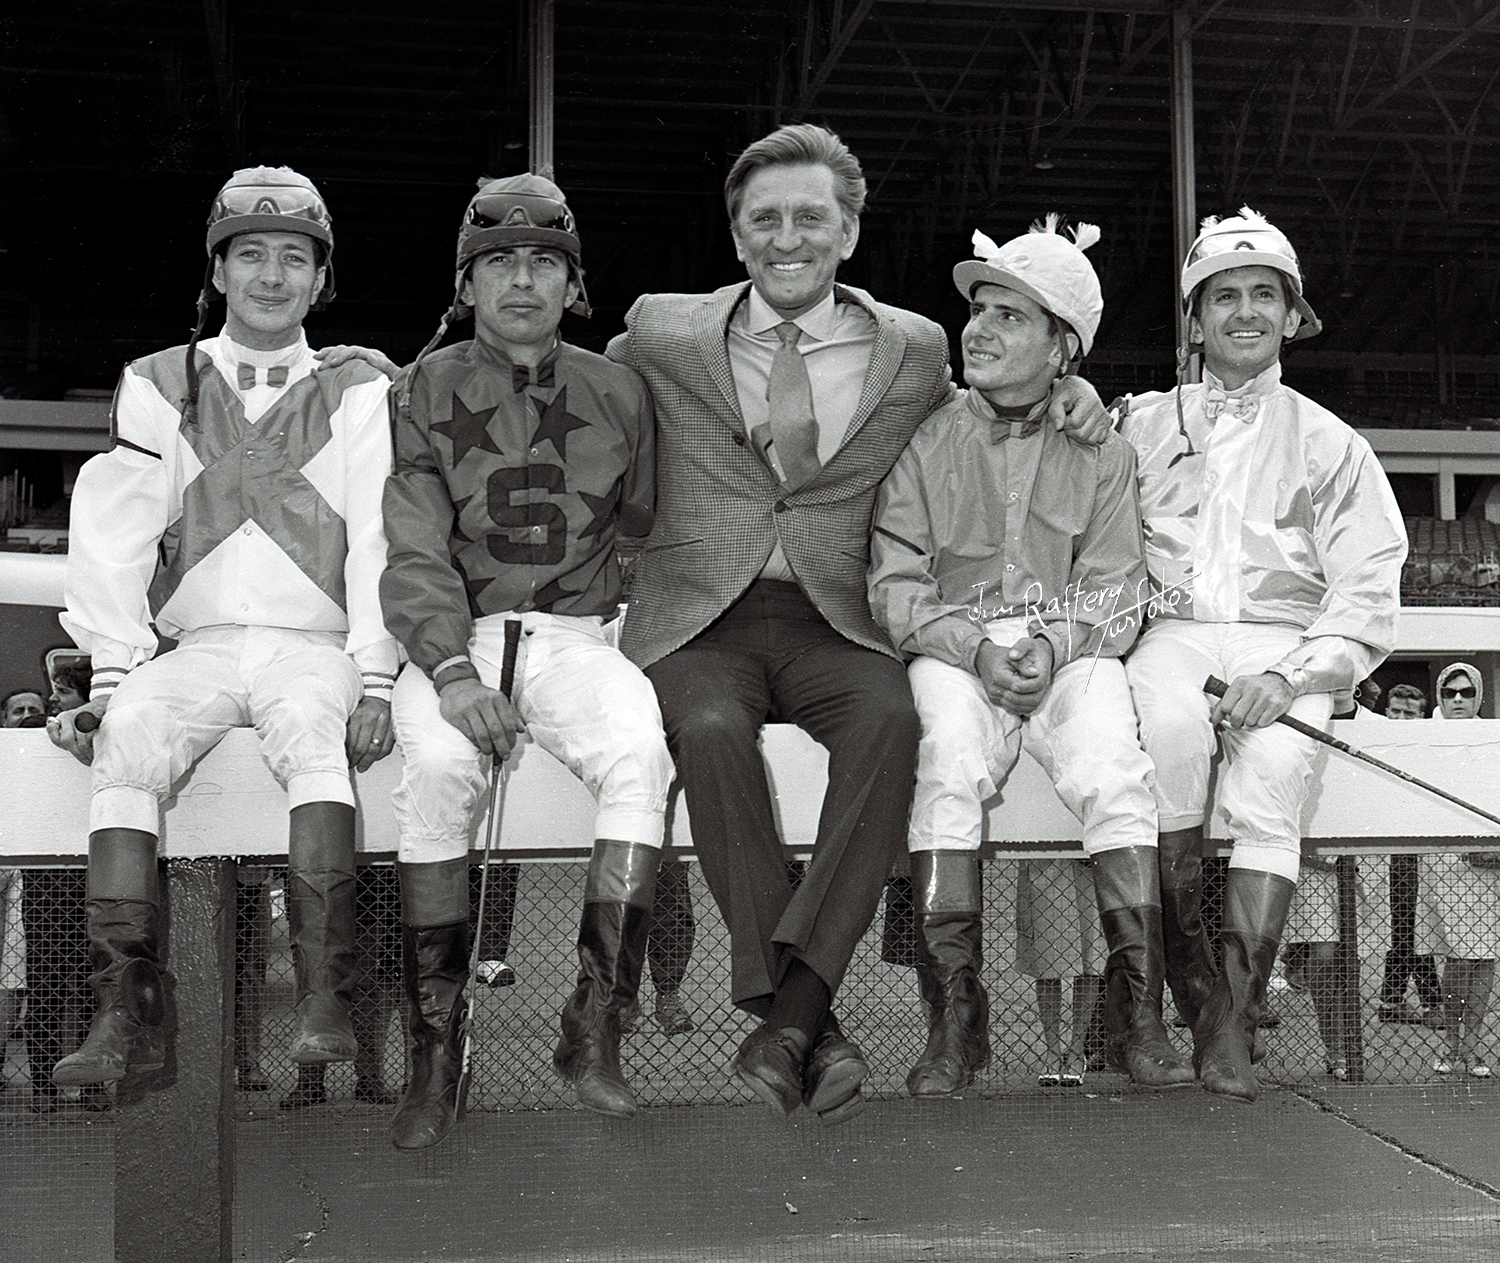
pixel 611 950
pixel 123 906
pixel 1255 908
pixel 435 965
pixel 1125 884
pixel 946 891
pixel 320 918
pixel 1188 958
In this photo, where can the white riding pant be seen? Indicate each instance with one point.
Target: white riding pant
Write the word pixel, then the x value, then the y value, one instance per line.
pixel 1264 774
pixel 1083 735
pixel 295 688
pixel 581 700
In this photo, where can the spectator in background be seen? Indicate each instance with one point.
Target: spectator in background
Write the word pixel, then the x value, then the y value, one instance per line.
pixel 1058 935
pixel 23 708
pixel 670 937
pixel 72 679
pixel 377 984
pixel 48 926
pixel 59 1005
pixel 1462 900
pixel 1460 905
pixel 1312 951
pixel 252 932
pixel 1460 690
pixel 1406 701
pixel 12 954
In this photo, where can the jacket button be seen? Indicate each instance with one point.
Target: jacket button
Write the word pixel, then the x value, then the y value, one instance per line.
pixel 781 506
pixel 739 440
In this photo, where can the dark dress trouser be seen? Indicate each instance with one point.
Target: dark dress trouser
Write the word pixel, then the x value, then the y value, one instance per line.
pixel 772 658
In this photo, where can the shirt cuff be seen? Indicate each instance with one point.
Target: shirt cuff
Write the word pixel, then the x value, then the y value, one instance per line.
pixel 105 680
pixel 378 684
pixel 1061 642
pixel 450 670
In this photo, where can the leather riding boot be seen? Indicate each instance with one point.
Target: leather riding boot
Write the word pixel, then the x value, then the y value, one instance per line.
pixel 611 951
pixel 1188 957
pixel 320 919
pixel 946 888
pixel 1255 909
pixel 435 964
pixel 1125 885
pixel 123 907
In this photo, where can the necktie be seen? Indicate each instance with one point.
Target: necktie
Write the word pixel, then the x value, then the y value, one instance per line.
pixel 521 376
pixel 275 376
pixel 794 428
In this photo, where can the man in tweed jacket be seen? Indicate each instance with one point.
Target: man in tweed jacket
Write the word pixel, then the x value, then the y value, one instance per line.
pixel 749 601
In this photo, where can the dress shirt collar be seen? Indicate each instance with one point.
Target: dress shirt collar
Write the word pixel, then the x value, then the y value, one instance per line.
pixel 817 322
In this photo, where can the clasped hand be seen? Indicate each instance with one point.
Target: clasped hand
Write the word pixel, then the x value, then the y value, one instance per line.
pixel 1017 678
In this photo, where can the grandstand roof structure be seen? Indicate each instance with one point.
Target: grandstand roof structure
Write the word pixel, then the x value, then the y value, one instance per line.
pixel 1369 130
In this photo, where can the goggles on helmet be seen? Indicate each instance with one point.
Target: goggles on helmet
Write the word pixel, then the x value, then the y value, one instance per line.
pixel 502 212
pixel 272 199
pixel 520 210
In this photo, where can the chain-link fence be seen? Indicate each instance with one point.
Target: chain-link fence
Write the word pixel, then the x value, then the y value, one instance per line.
pixel 1384 977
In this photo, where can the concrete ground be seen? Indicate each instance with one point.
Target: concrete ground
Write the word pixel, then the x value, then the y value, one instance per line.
pixel 1402 1170
pixel 1343 1175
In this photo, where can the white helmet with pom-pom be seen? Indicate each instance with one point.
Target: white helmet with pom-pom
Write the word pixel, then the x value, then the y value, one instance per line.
pixel 1046 267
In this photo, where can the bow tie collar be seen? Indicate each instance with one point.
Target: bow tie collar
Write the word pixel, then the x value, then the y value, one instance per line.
pixel 1242 407
pixel 1244 403
pixel 523 375
pixel 1010 423
pixel 275 376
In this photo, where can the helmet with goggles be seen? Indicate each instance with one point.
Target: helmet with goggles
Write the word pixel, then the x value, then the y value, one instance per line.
pixel 521 210
pixel 1246 240
pixel 272 199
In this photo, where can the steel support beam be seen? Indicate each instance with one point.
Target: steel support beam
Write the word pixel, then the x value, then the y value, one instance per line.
pixel 543 87
pixel 1184 169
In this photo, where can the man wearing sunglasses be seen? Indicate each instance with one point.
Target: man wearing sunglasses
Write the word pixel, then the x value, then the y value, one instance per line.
pixel 1274 546
pixel 237 512
pixel 519 462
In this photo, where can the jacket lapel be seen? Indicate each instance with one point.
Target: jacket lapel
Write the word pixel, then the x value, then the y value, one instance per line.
pixel 885 358
pixel 710 325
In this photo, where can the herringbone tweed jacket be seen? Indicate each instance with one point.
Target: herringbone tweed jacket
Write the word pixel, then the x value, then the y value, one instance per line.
pixel 719 507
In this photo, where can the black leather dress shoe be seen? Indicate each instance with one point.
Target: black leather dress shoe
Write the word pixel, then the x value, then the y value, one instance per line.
pixel 830 1083
pixel 770 1063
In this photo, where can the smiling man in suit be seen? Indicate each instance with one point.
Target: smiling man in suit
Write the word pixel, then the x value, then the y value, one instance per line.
pixel 781 404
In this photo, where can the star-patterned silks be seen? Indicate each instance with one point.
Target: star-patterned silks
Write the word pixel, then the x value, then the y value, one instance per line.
pixel 603 509
pixel 549 594
pixel 458 521
pixel 253 473
pixel 556 423
pixel 467 430
pixel 474 586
